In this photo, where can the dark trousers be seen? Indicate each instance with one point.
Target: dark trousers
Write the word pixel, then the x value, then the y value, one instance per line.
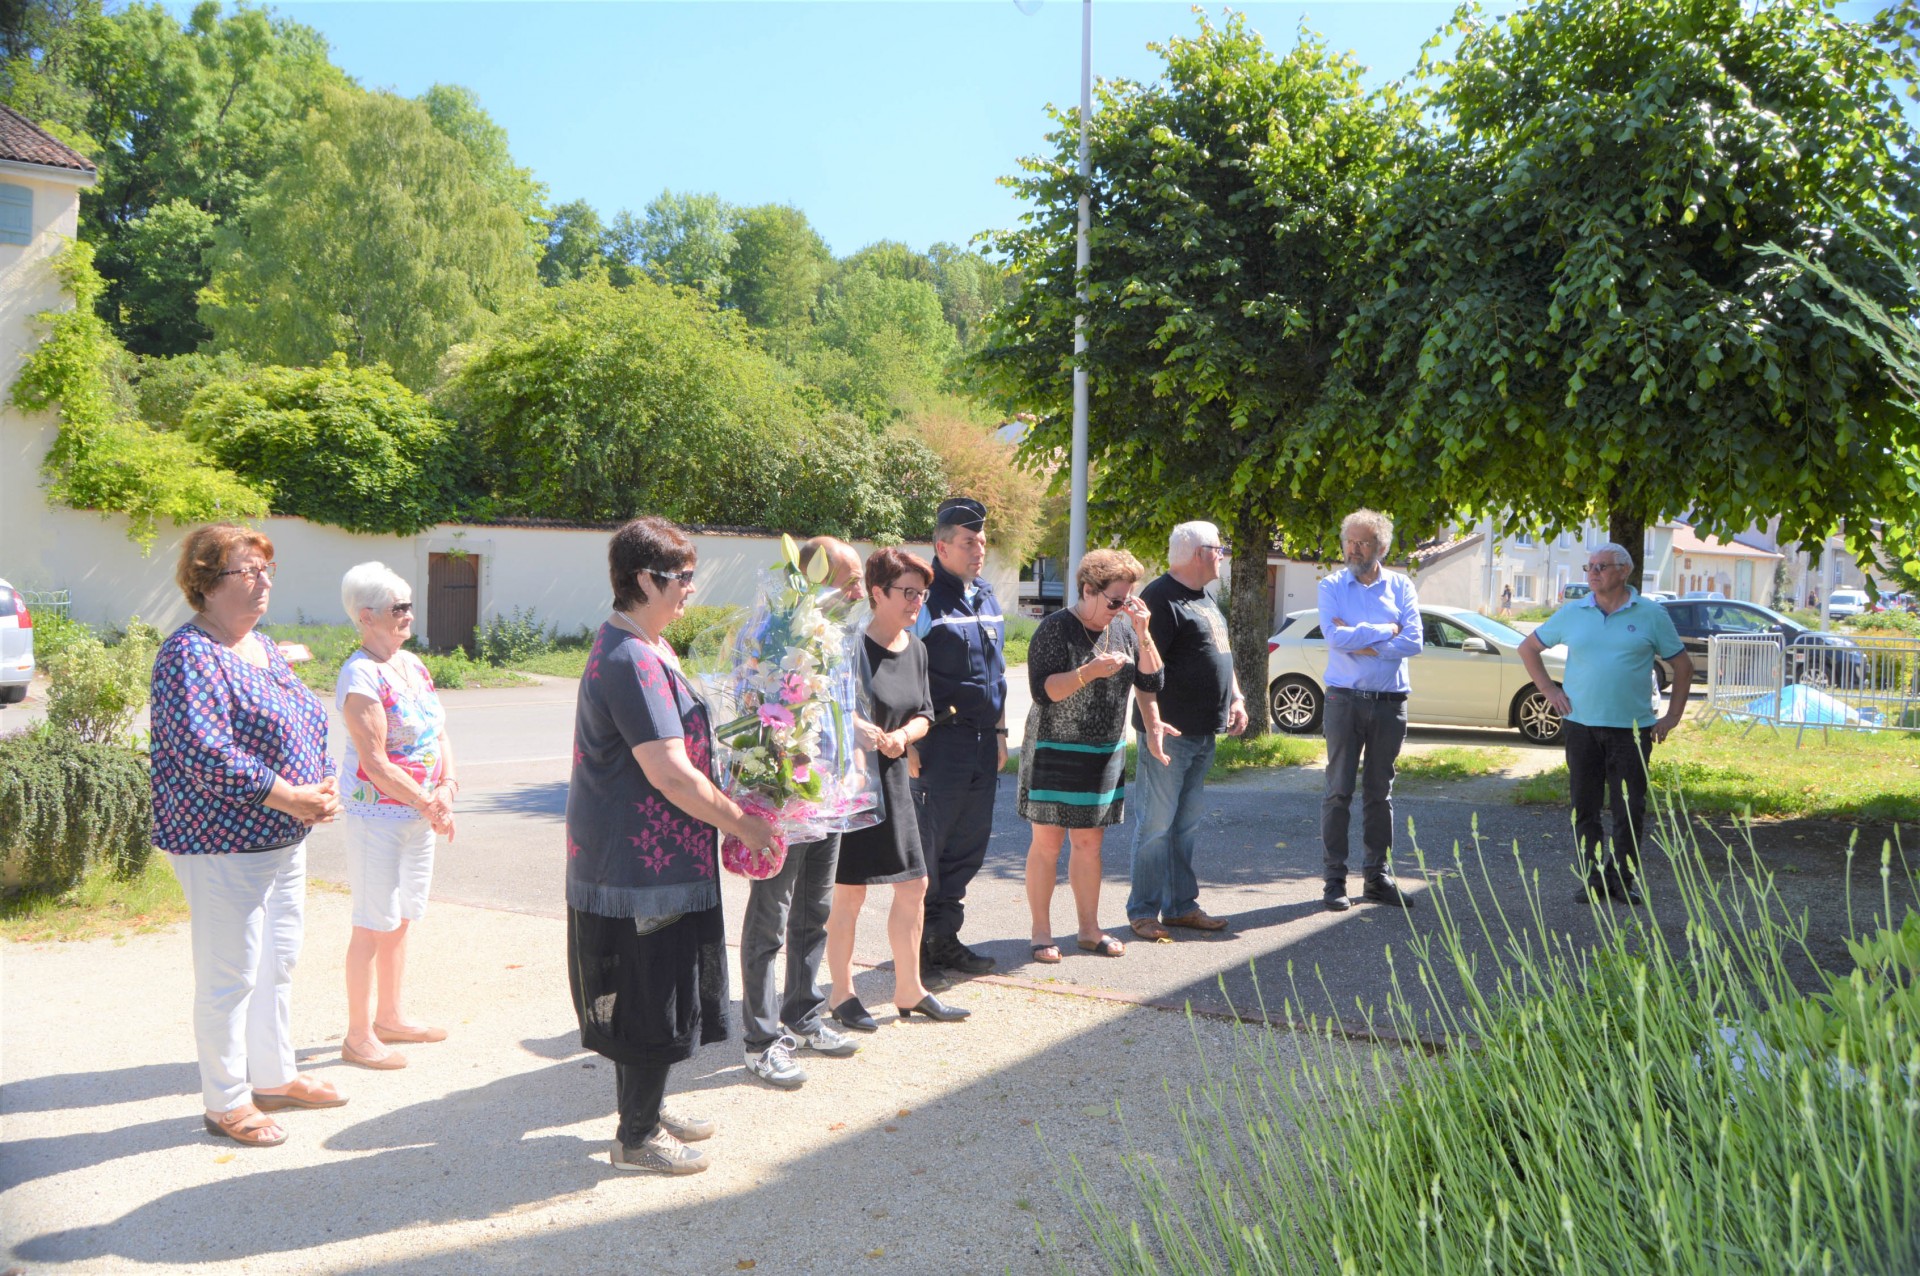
pixel 786 910
pixel 953 802
pixel 641 1087
pixel 1359 731
pixel 1608 766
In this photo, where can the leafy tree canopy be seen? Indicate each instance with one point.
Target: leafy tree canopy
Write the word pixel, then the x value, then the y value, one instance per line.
pixel 577 244
pixel 1226 202
pixel 1575 315
pixel 778 266
pixel 685 239
pixel 881 346
pixel 374 240
pixel 347 446
pixel 456 112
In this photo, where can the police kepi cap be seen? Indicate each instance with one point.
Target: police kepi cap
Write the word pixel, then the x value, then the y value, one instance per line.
pixel 962 511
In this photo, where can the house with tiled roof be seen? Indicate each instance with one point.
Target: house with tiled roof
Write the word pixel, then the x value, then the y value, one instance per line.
pixel 40 183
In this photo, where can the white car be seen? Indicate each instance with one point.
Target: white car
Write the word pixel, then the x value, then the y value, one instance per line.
pixel 16 645
pixel 1470 675
pixel 1847 602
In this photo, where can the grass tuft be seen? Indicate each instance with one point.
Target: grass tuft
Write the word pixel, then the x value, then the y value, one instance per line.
pixel 103 906
pixel 1455 762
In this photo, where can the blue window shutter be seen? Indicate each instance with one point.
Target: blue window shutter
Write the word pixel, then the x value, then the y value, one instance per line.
pixel 16 214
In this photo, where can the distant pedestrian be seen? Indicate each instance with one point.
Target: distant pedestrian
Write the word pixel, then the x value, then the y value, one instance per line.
pixel 1199 701
pixel 1371 619
pixel 1506 600
pixel 240 774
pixel 1612 637
pixel 1082 666
pixel 889 853
pixel 790 910
pixel 399 786
pixel 646 952
pixel 960 758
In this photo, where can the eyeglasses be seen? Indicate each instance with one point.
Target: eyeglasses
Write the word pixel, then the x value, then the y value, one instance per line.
pixel 1602 567
pixel 253 573
pixel 401 609
pixel 907 592
pixel 684 577
pixel 1221 550
pixel 1114 604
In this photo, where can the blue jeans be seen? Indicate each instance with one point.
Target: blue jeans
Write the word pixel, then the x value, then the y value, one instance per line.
pixel 1165 807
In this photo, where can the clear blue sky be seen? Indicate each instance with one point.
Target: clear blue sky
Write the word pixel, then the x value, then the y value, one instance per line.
pixel 881 120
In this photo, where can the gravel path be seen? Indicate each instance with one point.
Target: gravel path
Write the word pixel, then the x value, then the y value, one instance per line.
pixel 920 1154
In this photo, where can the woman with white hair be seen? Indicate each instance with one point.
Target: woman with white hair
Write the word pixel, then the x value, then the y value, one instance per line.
pixel 397 787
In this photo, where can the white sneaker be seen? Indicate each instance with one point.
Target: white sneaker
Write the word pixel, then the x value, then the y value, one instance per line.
pixel 826 1039
pixel 661 1153
pixel 688 1129
pixel 775 1064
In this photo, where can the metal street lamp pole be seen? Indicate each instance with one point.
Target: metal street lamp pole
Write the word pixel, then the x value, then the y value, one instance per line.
pixel 1077 515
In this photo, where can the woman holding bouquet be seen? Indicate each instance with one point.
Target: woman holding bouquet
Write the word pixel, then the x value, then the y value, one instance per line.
pixel 1081 665
pixel 646 953
pixel 888 853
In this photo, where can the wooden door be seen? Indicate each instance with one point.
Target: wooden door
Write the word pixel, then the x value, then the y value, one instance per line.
pixel 453 601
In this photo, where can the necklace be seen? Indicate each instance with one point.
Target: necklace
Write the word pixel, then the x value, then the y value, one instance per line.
pixel 659 645
pixel 401 671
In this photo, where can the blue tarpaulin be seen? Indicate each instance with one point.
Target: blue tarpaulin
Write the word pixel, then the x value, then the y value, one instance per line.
pixel 1799 704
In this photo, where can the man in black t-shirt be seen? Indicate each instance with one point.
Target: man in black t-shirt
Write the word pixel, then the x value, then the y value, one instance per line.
pixel 1201 700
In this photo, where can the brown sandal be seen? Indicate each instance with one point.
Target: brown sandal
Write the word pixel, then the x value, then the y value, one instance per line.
pixel 1040 952
pixel 305 1092
pixel 1105 946
pixel 246 1125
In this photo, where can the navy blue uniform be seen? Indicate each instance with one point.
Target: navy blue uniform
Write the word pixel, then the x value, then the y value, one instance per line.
pixel 960 758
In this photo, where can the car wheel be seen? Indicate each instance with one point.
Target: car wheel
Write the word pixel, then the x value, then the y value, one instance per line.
pixel 1662 676
pixel 1296 705
pixel 12 695
pixel 1538 720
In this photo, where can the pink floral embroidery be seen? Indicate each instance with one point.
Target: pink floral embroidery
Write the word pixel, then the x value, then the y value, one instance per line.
pixel 573 848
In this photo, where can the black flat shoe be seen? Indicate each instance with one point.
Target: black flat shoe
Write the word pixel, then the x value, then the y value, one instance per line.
pixel 851 1014
pixel 934 1008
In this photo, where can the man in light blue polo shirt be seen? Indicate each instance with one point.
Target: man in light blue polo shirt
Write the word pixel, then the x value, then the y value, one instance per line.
pixel 1611 636
pixel 1371 619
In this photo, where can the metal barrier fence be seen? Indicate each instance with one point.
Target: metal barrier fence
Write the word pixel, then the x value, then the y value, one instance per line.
pixel 1852 682
pixel 56 602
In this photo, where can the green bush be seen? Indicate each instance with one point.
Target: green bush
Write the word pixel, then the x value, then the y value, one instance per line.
pixel 98 690
pixel 452 671
pixel 54 634
pixel 67 806
pixel 507 640
pixel 700 635
pixel 1628 1107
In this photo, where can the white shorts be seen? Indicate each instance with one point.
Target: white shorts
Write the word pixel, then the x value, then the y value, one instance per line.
pixel 390 867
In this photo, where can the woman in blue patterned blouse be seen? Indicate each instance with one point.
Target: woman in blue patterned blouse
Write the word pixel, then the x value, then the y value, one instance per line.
pixel 240 773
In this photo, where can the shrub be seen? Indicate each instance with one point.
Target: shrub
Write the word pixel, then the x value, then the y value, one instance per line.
pixel 67 806
pixel 98 690
pixel 507 640
pixel 450 671
pixel 1625 1108
pixel 700 635
pixel 55 634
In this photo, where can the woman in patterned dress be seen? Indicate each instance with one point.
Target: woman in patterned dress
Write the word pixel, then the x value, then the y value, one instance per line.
pixel 646 953
pixel 399 788
pixel 1080 666
pixel 240 773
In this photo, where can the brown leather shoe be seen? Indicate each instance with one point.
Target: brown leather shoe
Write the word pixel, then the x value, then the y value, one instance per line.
pixel 1149 928
pixel 391 1061
pixel 1198 920
pixel 409 1036
pixel 305 1092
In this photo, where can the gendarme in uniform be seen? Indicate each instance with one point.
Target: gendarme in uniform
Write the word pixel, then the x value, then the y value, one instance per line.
pixel 965 637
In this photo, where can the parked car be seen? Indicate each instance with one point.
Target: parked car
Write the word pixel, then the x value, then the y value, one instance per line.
pixel 1570 593
pixel 1658 595
pixel 16 645
pixel 1709 594
pixel 1847 602
pixel 1470 675
pixel 1812 657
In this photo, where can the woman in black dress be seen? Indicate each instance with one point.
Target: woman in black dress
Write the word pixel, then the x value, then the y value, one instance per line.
pixel 1082 664
pixel 888 853
pixel 646 955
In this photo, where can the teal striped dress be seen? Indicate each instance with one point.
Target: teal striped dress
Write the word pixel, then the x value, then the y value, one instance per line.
pixel 1073 756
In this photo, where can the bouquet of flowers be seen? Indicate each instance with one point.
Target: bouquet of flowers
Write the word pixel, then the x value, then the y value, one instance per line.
pixel 787 748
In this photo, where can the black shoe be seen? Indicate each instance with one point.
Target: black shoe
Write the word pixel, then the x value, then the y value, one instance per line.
pixel 935 979
pixel 955 955
pixel 1624 890
pixel 1383 890
pixel 1337 903
pixel 934 1008
pixel 851 1014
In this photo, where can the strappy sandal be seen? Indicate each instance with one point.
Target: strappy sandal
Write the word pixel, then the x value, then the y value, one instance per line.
pixel 1040 952
pixel 246 1125
pixel 305 1092
pixel 1105 946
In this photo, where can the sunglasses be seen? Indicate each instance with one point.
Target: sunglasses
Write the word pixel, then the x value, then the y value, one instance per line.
pixel 1114 604
pixel 684 577
pixel 401 609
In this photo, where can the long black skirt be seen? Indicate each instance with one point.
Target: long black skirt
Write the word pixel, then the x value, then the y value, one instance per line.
pixel 647 999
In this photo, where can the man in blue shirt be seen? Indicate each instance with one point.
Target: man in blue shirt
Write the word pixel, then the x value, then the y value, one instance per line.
pixel 1371 619
pixel 1611 636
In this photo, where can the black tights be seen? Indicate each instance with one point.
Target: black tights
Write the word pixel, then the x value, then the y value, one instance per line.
pixel 641 1088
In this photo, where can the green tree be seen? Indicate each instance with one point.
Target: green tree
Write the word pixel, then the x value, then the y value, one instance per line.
pixel 685 239
pixel 595 402
pixel 891 259
pixel 456 112
pixel 576 245
pixel 105 458
pixel 969 285
pixel 374 240
pixel 882 345
pixel 1575 317
pixel 347 446
pixel 1226 203
pixel 778 266
pixel 158 263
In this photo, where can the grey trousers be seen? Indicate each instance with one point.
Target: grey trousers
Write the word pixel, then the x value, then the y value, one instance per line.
pixel 787 910
pixel 1358 729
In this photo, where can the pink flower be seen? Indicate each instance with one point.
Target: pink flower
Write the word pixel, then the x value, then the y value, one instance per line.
pixel 793 689
pixel 772 715
pixel 801 772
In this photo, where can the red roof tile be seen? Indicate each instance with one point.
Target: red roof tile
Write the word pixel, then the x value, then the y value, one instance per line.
pixel 24 142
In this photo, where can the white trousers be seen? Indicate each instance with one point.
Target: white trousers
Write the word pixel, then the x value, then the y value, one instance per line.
pixel 249 916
